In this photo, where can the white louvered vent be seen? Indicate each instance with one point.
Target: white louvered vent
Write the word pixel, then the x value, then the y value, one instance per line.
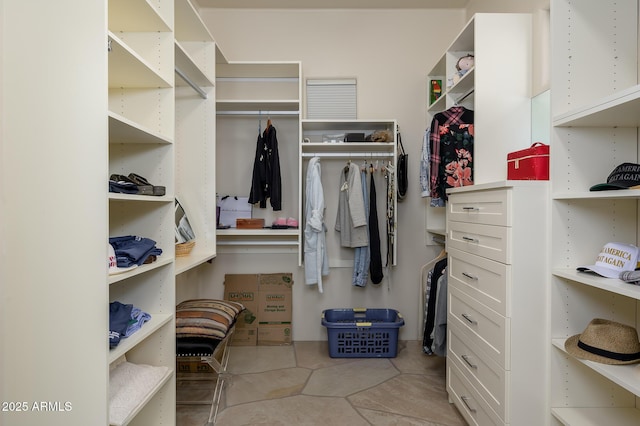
pixel 331 99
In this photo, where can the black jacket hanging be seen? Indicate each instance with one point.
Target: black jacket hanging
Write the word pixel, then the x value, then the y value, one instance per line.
pixel 266 181
pixel 375 267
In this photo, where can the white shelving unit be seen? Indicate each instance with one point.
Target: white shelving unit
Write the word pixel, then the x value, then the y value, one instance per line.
pixel 595 128
pixel 195 60
pixel 141 140
pixel 333 157
pixel 498 86
pixel 248 94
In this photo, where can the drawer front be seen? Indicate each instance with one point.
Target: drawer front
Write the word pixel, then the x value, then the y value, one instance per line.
pixel 484 327
pixel 485 207
pixel 469 402
pixel 492 242
pixel 485 280
pixel 484 374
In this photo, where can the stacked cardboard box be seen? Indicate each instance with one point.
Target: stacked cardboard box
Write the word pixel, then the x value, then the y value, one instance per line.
pixel 268 302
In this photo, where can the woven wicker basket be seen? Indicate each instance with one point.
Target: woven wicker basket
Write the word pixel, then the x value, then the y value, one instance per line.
pixel 184 249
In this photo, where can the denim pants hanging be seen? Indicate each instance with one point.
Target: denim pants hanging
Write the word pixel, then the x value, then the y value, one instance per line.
pixel 362 254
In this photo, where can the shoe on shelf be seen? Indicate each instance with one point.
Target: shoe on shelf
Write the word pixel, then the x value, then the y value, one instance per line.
pixel 279 223
pixel 292 223
pixel 122 181
pixel 149 188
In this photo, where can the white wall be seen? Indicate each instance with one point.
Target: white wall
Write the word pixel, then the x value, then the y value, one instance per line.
pixel 389 52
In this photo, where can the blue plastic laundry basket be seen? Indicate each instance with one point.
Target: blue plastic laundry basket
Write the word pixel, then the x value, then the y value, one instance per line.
pixel 362 333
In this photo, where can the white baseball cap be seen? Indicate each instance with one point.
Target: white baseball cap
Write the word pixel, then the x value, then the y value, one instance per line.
pixel 614 259
pixel 113 264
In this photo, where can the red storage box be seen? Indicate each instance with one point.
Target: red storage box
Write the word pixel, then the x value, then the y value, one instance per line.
pixel 529 164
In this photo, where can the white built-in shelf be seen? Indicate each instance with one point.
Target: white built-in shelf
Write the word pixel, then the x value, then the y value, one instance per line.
pixel 463 86
pixel 618 416
pixel 195 258
pixel 621 109
pixel 258 237
pixel 123 130
pixel 625 376
pixel 347 148
pixel 160 261
pixel 116 196
pixel 187 65
pixel 126 344
pixel 152 392
pixel 135 15
pixel 127 69
pixel 612 285
pixel 256 106
pixel 189 24
pixel 257 232
pixel 594 195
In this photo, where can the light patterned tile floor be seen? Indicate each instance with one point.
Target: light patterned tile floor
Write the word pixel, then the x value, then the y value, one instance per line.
pixel 301 385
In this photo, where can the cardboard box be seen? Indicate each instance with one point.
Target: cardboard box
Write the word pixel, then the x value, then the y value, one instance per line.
pixel 267 299
pixel 193 365
pixel 243 288
pixel 247 336
pixel 274 334
pixel 275 299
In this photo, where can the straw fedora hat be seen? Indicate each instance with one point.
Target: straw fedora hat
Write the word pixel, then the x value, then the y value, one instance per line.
pixel 607 342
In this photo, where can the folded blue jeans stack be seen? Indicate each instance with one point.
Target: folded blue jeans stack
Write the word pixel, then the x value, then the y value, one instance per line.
pixel 133 250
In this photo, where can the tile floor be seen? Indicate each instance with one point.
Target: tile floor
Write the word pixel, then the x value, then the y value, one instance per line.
pixel 301 385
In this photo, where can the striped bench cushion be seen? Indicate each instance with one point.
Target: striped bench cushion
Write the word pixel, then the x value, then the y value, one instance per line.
pixel 206 318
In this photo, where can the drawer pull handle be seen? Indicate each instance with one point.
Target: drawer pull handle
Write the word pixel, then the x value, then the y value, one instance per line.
pixel 471 277
pixel 464 400
pixel 465 358
pixel 468 318
pixel 470 209
pixel 473 240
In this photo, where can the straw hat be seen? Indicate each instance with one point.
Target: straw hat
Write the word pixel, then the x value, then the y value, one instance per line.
pixel 607 342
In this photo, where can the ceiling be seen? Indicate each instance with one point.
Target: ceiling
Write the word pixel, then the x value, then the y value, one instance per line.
pixel 334 4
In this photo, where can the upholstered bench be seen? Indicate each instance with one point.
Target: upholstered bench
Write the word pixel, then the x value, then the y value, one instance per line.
pixel 204 328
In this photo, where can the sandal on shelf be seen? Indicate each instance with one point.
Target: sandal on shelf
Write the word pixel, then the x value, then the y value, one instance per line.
pixel 292 223
pixel 122 186
pixel 149 188
pixel 126 181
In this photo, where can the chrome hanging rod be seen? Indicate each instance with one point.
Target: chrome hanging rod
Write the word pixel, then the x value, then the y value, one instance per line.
pixel 195 87
pixel 257 112
pixel 348 154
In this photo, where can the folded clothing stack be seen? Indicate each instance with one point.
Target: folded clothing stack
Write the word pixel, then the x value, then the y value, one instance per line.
pixel 133 250
pixel 124 320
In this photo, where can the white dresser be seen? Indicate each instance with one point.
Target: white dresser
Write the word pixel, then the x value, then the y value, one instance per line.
pixel 497 339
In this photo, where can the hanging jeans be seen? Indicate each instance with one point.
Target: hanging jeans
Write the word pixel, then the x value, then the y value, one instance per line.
pixel 362 254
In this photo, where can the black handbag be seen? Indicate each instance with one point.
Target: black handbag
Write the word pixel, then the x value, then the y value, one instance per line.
pixel 402 164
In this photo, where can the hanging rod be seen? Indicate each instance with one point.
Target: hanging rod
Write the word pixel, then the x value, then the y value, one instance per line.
pixel 258 112
pixel 348 154
pixel 195 87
